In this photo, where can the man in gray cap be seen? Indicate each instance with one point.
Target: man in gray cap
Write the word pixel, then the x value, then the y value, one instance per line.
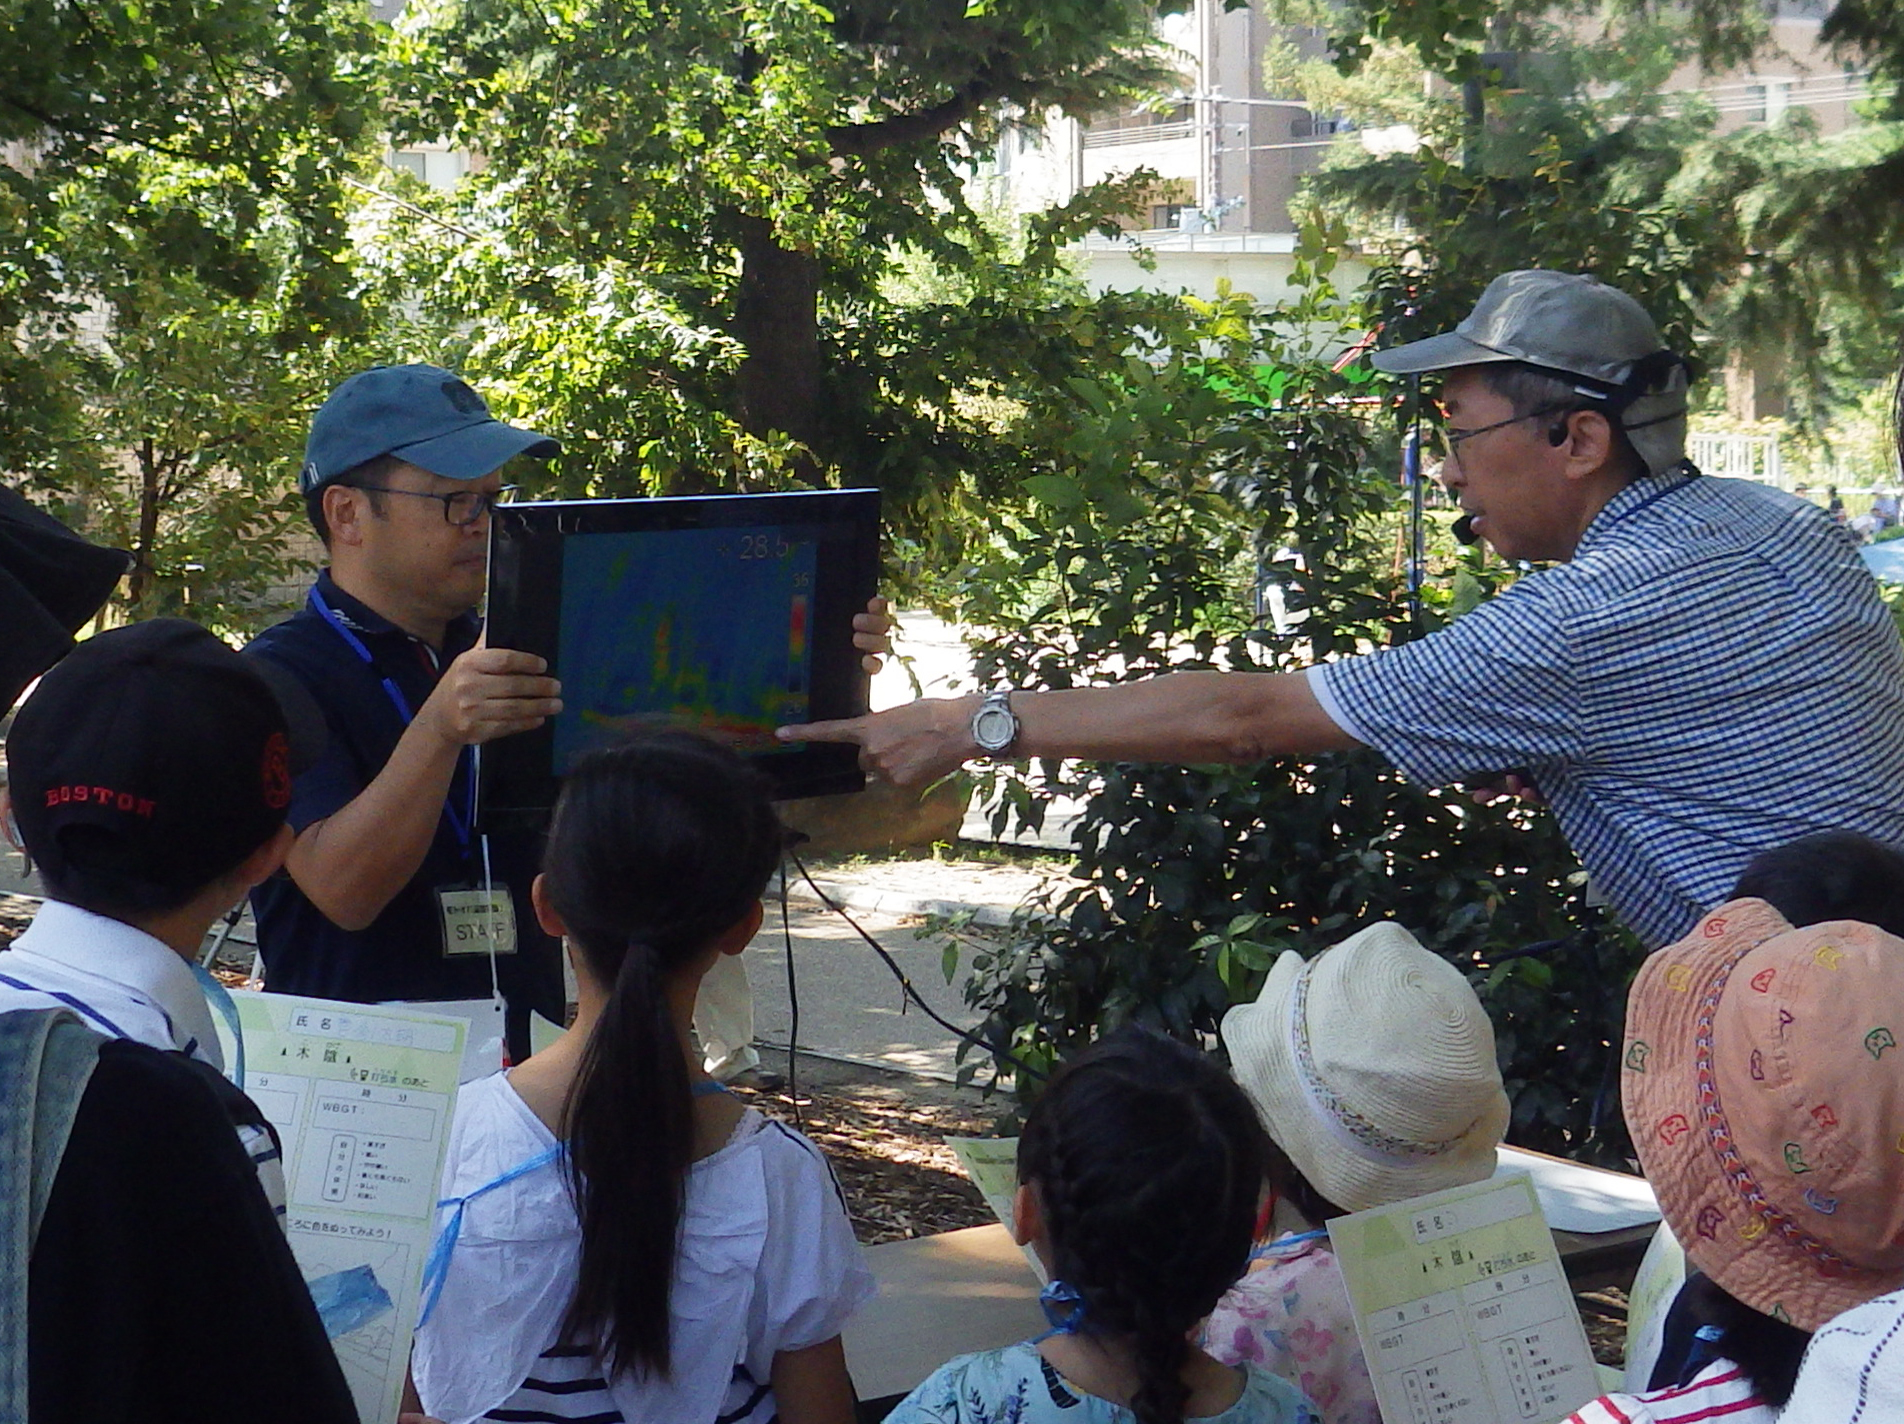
pixel 1706 672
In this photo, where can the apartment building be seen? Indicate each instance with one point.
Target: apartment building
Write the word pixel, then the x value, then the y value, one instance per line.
pixel 1229 155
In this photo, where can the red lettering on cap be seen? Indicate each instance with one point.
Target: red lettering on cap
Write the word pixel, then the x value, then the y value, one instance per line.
pixel 126 801
pixel 276 772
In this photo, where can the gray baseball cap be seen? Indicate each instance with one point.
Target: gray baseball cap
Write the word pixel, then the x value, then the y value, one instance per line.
pixel 1569 325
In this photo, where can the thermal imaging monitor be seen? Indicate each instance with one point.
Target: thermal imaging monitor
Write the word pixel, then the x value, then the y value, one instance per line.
pixel 729 615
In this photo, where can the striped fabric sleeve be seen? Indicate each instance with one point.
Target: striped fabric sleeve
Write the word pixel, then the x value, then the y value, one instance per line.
pixel 1497 690
pixel 1609 1409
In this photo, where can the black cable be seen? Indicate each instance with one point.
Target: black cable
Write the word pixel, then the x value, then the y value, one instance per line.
pixel 793 1001
pixel 964 1035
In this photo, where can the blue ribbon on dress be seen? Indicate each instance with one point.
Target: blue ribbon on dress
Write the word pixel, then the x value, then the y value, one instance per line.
pixel 1283 1243
pixel 1063 1308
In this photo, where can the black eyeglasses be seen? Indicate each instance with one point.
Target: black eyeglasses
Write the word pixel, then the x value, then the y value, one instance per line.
pixel 1452 436
pixel 462 509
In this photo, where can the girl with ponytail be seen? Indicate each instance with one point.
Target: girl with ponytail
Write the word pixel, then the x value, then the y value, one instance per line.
pixel 1139 1172
pixel 621 1239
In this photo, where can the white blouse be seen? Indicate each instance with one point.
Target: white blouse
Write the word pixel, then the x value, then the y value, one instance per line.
pixel 767 1263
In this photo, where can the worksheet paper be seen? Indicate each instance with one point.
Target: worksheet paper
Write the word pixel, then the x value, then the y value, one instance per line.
pixel 1463 1310
pixel 361 1097
pixel 992 1164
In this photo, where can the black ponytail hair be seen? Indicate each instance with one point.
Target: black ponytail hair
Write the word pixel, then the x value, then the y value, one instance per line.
pixel 1766 1349
pixel 657 847
pixel 1147 1159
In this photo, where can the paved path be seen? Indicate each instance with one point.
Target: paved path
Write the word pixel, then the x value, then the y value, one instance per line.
pixel 851 1006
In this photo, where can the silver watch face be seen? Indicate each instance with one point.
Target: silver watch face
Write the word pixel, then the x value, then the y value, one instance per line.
pixel 993 728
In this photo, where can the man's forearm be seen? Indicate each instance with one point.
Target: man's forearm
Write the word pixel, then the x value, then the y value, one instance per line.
pixel 352 864
pixel 1186 717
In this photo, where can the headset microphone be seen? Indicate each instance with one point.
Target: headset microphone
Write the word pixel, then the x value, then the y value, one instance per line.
pixel 1464 529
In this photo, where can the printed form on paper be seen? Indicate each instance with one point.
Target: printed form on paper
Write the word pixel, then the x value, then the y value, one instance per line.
pixel 361 1097
pixel 1463 1310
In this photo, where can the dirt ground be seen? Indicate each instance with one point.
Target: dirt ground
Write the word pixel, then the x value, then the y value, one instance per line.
pixel 884 1134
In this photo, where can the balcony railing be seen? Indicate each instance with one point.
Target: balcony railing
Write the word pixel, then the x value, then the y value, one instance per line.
pixel 1148 133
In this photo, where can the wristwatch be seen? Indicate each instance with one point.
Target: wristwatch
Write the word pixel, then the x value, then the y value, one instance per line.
pixel 995 725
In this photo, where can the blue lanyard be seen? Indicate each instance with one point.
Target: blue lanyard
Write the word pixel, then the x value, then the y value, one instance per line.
pixel 459 824
pixel 1283 1243
pixel 219 997
pixel 436 1269
pixel 215 994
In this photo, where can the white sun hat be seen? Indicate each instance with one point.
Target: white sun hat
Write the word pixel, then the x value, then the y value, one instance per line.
pixel 1372 1065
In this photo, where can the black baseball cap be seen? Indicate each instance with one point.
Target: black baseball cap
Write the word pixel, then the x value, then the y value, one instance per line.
pixel 424 415
pixel 153 758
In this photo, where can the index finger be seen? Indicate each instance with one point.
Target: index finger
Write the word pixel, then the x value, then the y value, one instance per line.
pixel 505 660
pixel 847 730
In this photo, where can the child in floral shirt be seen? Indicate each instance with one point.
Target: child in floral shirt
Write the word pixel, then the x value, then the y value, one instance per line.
pixel 1372 1066
pixel 1139 1171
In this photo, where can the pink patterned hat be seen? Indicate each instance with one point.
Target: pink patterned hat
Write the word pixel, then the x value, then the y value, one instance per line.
pixel 1763 1081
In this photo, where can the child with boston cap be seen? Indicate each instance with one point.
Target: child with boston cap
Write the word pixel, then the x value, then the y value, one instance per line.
pixel 1372 1067
pixel 148 778
pixel 1763 1085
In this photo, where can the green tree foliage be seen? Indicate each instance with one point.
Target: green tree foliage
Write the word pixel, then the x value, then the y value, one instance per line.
pixel 698 207
pixel 1774 246
pixel 173 264
pixel 1162 488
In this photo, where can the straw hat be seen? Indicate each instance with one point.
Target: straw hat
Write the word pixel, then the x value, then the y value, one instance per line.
pixel 1763 1080
pixel 1372 1065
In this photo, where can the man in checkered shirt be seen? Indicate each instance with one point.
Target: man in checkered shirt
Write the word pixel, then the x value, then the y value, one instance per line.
pixel 1706 670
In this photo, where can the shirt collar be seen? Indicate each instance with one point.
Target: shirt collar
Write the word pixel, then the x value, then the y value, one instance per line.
pixel 353 612
pixel 1633 496
pixel 119 954
pixel 365 621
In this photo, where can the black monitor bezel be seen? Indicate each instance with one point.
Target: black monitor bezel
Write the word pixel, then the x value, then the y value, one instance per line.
pixel 517 776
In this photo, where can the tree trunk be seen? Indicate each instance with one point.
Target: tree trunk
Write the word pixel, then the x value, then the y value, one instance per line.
pixel 777 318
pixel 141 580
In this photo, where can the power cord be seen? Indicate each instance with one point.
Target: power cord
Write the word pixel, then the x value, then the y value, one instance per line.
pixel 793 1003
pixel 910 993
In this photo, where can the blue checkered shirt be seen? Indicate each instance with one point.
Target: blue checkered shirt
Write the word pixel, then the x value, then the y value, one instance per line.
pixel 1712 675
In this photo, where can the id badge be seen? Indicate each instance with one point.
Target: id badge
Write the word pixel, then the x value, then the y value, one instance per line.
pixel 477 921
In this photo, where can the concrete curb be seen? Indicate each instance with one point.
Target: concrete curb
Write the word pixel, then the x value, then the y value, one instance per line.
pixel 874 900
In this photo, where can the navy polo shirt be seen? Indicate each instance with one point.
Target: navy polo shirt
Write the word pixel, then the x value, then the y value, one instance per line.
pixel 400 955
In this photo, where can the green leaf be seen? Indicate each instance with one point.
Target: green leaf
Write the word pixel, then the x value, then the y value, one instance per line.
pixel 1059 491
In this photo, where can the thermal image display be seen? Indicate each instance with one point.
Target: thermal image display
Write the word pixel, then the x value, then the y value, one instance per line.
pixel 700 628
